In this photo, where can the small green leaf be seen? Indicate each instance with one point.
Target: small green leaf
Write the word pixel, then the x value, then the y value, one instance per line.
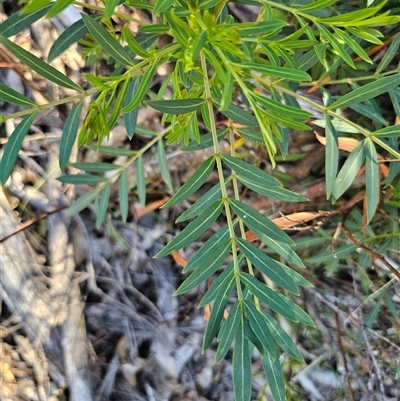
pixel 38 65
pixel 260 329
pixel 226 278
pixel 326 256
pixel 156 28
pixel 163 163
pixel 133 43
pixel 252 135
pixel 111 150
pixel 69 37
pixel 214 242
pixel 198 44
pixel 282 338
pixel 162 5
pixel 241 366
pixel 103 205
pixel 349 170
pixel 280 72
pixel 11 96
pixel 369 112
pixel 12 147
pixel 107 42
pixel 123 190
pixel 397 376
pixel 274 375
pixel 389 55
pixel 69 134
pixel 82 202
pixel 260 27
pixel 206 141
pixel 34 6
pixel 389 132
pixel 259 223
pixel 141 181
pixel 217 312
pixel 19 21
pixel 176 106
pixel 353 45
pixel 366 92
pixel 250 172
pixel 267 265
pixel 110 6
pixel 228 331
pixel 336 45
pixel 142 89
pixel 95 167
pixel 240 116
pixel 201 204
pixel 130 118
pixel 195 181
pixel 193 230
pixel 282 109
pixel 59 6
pixel 317 5
pixel 331 155
pixel 268 296
pixel 78 179
pixel 371 178
pixel 206 269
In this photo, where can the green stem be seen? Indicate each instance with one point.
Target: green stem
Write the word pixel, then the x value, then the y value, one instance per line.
pixel 224 192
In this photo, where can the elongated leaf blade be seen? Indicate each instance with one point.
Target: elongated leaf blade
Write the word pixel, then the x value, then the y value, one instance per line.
pixel 142 89
pixel 9 95
pixel 241 366
pixel 366 92
pixel 280 72
pixel 240 116
pixel 201 204
pixel 214 242
pixel 163 163
pixel 226 278
pixel 350 169
pixel 13 146
pixel 331 156
pixel 176 106
pixel 228 332
pixel 193 230
pixel 267 265
pixel 274 375
pixel 260 329
pixel 95 167
pixel 78 179
pixel 371 178
pixel 111 150
pixel 217 312
pixel 19 21
pixel 268 296
pixel 103 205
pixel 82 203
pixel 206 269
pixel 162 5
pixel 38 65
pixel 250 172
pixel 107 42
pixel 141 181
pixel 69 134
pixel 123 191
pixel 388 132
pixel 130 118
pixel 282 338
pixel 259 223
pixel 193 183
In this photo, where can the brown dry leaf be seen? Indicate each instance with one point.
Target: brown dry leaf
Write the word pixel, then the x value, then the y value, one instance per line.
pixel 151 207
pixel 347 144
pixel 179 259
pixel 294 219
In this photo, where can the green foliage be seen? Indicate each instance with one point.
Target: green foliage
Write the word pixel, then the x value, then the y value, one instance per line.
pixel 218 61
